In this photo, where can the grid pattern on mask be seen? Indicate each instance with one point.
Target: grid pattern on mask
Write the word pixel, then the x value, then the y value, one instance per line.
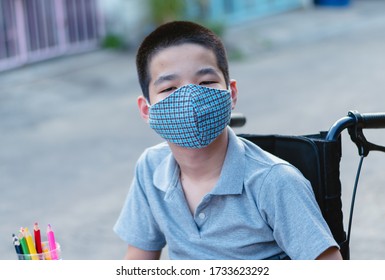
pixel 192 116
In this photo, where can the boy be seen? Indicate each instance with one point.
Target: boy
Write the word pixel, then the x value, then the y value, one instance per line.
pixel 205 192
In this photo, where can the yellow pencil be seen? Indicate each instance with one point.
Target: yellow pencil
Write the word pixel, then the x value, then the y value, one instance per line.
pixel 31 246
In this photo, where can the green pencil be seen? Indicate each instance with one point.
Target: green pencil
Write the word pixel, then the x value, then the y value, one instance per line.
pixel 24 246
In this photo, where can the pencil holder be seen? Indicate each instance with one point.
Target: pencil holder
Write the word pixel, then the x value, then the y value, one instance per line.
pixel 46 255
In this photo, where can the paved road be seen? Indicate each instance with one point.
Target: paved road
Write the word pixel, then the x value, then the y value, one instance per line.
pixel 71 132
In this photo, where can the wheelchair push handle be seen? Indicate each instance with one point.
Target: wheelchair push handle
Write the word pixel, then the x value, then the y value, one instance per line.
pixel 355 123
pixel 354 118
pixel 373 120
pixel 237 120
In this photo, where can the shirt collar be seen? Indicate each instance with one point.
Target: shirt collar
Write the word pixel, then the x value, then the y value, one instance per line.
pixel 233 169
pixel 166 175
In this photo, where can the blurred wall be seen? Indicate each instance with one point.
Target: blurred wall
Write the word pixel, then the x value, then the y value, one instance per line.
pixel 131 19
pixel 125 18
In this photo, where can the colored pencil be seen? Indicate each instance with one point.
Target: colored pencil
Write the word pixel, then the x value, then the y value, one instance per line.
pixel 47 255
pixel 30 244
pixel 36 231
pixel 51 242
pixel 16 243
pixel 23 244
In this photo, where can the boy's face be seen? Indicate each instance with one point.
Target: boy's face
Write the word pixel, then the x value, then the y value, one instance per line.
pixel 180 65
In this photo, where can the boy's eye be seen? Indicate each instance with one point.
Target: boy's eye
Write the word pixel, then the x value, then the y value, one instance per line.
pixel 168 89
pixel 208 82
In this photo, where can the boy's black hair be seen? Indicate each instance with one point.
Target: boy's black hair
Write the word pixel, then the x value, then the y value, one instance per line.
pixel 173 34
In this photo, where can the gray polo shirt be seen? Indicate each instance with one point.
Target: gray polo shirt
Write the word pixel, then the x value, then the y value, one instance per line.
pixel 261 208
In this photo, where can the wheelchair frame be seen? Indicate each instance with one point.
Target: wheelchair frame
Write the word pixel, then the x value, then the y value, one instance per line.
pixel 318 157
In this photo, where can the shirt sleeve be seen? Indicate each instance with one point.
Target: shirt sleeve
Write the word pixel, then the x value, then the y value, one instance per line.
pixel 136 224
pixel 288 205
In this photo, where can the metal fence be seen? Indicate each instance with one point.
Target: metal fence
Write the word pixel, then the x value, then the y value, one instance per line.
pixel 32 30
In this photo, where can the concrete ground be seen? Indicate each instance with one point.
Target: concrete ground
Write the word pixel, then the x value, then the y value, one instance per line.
pixel 70 132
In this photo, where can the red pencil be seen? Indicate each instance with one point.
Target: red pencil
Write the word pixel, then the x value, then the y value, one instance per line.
pixel 36 231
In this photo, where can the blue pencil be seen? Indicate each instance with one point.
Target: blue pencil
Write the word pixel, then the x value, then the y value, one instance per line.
pixel 17 245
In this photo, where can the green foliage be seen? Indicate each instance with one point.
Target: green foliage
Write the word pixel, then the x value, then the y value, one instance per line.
pixel 217 27
pixel 234 54
pixel 162 11
pixel 112 41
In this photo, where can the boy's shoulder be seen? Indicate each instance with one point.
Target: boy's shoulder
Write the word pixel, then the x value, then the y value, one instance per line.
pixel 262 163
pixel 256 155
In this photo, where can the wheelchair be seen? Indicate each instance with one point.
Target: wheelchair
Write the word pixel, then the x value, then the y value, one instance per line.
pixel 318 157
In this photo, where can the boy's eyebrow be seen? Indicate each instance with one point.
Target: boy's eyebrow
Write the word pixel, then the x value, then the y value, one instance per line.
pixel 171 77
pixel 164 78
pixel 205 71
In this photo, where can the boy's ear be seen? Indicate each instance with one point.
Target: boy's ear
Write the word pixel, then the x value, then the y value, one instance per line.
pixel 234 92
pixel 143 107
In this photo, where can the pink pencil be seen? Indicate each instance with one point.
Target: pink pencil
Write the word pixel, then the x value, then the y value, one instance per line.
pixel 51 243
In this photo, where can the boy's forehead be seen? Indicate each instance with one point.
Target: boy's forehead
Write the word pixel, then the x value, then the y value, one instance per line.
pixel 178 54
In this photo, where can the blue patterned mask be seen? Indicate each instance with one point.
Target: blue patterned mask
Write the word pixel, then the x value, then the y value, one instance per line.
pixel 192 116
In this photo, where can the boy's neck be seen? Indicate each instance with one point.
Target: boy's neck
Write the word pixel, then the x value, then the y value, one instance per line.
pixel 202 164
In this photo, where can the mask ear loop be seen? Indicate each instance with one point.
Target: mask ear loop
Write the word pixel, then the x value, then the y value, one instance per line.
pixel 148 103
pixel 231 96
pixel 230 91
pixel 149 107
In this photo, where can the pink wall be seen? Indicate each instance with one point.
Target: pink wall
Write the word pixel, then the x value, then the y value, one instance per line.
pixel 33 30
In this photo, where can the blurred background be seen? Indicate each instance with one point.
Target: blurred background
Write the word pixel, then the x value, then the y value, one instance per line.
pixel 70 132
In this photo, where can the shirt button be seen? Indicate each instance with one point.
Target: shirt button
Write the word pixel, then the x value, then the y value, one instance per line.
pixel 202 216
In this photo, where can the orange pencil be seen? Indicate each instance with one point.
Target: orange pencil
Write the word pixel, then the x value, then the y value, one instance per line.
pixel 47 255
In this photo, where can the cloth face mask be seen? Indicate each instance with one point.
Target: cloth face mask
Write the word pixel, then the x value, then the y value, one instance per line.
pixel 192 116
